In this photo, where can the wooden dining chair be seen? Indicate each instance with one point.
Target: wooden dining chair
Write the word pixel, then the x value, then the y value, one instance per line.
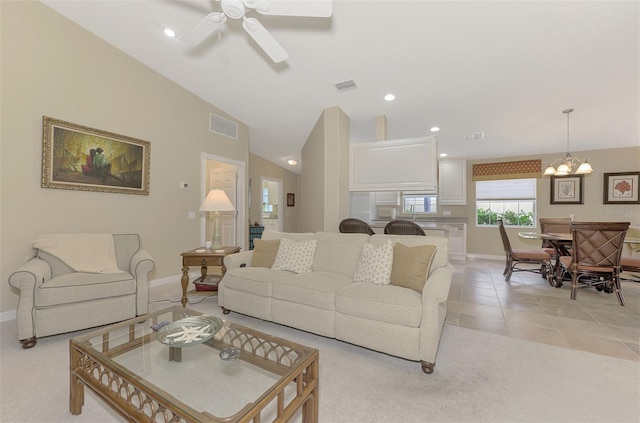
pixel 596 253
pixel 518 256
pixel 403 227
pixel 556 225
pixel 353 225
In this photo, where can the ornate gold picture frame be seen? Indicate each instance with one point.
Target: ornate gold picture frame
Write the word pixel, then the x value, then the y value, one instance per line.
pixel 80 158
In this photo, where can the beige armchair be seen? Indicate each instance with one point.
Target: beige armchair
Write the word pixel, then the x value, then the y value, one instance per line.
pixel 55 298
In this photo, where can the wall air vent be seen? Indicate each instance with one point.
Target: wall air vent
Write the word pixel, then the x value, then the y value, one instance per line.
pixel 472 136
pixel 346 85
pixel 223 126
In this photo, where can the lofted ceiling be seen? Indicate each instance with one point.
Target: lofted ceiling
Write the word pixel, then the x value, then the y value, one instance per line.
pixel 505 68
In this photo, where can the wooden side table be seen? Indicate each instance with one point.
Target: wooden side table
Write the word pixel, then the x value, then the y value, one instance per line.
pixel 202 257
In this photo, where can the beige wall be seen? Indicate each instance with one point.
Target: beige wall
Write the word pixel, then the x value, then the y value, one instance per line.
pixel 324 182
pixel 336 168
pixel 259 168
pixel 50 66
pixel 312 180
pixel 486 241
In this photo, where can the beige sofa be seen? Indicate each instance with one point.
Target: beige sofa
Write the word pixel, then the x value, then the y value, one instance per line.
pixel 55 298
pixel 388 318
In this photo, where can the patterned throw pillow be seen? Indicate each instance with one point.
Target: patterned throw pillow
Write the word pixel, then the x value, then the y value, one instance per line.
pixel 295 256
pixel 375 263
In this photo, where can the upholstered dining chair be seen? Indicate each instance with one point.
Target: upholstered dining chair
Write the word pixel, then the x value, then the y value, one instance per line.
pixel 353 225
pixel 518 256
pixel 630 264
pixel 403 227
pixel 595 259
pixel 554 225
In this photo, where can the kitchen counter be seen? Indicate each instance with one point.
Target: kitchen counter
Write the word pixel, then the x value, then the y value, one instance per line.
pixel 453 228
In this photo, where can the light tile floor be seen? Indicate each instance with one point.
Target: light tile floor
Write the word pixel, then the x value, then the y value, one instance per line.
pixel 527 307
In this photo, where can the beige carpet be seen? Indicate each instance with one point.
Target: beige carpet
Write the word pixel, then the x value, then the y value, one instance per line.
pixel 479 377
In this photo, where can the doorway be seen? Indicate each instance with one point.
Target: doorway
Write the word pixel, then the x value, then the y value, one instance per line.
pixel 229 176
pixel 272 204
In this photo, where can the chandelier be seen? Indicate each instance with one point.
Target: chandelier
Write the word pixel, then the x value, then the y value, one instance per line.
pixel 566 164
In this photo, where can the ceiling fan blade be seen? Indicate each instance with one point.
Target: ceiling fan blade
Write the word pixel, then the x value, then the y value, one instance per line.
pixel 264 39
pixel 204 28
pixel 308 8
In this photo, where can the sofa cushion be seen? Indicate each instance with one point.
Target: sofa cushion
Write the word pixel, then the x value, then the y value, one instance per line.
pixel 338 253
pixel 383 303
pixel 254 280
pixel 264 252
pixel 375 263
pixel 79 286
pixel 411 265
pixel 441 258
pixel 295 256
pixel 315 289
pixel 270 235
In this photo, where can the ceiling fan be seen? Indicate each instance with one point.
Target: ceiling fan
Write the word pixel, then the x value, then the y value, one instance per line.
pixel 237 9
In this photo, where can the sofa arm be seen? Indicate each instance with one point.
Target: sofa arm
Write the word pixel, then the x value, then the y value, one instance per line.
pixel 27 278
pixel 141 265
pixel 434 311
pixel 233 261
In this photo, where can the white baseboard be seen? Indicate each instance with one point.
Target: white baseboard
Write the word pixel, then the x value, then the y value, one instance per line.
pixel 485 257
pixel 7 316
pixel 11 314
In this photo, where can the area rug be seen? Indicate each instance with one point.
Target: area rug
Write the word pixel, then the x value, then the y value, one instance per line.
pixel 479 377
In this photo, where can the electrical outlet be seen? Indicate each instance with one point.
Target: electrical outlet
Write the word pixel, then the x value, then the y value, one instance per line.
pixel 184 185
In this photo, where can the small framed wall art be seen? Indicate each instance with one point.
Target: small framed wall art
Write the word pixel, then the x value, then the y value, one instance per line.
pixel 291 200
pixel 567 189
pixel 80 158
pixel 621 188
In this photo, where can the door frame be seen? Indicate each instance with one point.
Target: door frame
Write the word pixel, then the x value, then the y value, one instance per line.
pixel 241 200
pixel 281 206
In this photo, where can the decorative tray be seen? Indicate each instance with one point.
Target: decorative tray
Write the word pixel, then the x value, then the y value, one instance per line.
pixel 189 331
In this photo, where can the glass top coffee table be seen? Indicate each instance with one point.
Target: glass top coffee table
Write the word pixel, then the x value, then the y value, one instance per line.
pixel 135 372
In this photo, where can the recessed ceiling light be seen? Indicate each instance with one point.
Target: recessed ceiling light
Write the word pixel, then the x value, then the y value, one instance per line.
pixel 169 32
pixel 389 97
pixel 292 162
pixel 435 129
pixel 443 154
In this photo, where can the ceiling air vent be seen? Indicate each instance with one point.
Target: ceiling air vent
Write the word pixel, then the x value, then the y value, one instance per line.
pixel 223 126
pixel 472 136
pixel 345 85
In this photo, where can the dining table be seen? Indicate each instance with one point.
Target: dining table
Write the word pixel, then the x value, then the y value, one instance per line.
pixel 561 243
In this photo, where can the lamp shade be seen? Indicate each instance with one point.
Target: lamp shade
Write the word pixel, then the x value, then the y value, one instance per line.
pixel 217 200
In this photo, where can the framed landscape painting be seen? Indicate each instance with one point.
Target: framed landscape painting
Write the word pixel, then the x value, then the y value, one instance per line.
pixel 80 158
pixel 567 189
pixel 621 188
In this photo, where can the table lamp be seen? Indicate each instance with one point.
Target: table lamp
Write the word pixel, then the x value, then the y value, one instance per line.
pixel 216 202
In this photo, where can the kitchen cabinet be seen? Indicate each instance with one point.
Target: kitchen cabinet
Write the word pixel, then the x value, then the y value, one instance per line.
pixel 457 241
pixel 397 165
pixel 452 181
pixel 388 198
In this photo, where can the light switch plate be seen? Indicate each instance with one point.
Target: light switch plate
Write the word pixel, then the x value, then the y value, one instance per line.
pixel 184 185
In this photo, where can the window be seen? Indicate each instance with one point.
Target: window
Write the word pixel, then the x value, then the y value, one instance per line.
pixel 266 207
pixel 415 202
pixel 512 200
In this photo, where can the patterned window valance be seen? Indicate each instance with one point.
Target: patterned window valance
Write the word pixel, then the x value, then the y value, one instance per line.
pixel 507 170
